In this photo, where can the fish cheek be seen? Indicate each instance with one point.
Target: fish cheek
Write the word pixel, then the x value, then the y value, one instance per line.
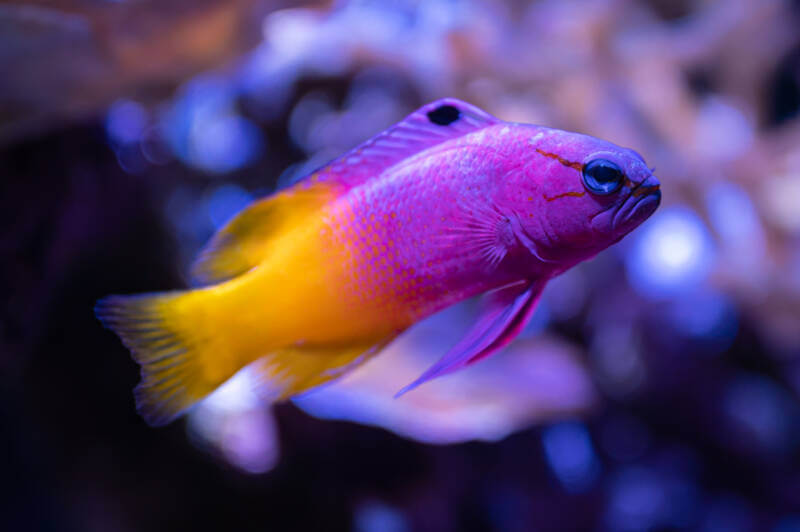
pixel 600 222
pixel 571 221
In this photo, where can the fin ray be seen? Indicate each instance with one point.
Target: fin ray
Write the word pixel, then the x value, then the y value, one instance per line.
pixel 172 377
pixel 417 132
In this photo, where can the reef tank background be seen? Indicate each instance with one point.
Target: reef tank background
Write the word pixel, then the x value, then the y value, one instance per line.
pixel 658 387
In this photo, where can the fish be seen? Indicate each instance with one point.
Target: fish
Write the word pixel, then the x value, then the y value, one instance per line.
pixel 309 283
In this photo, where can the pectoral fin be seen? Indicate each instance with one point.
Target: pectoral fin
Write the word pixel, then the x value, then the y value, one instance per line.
pixel 506 312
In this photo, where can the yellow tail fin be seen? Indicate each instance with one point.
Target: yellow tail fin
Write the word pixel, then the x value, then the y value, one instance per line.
pixel 164 338
pixel 184 357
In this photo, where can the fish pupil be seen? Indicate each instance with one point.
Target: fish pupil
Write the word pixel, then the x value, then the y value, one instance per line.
pixel 602 176
pixel 444 115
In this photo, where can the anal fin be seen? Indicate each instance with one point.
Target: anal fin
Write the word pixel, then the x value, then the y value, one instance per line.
pixel 294 370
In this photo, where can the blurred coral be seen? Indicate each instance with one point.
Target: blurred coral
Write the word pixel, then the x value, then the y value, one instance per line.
pixel 62 61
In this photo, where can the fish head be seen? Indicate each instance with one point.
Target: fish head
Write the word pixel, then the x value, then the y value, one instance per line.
pixel 575 195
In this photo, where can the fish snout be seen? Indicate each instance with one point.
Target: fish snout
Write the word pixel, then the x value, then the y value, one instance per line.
pixel 640 204
pixel 650 185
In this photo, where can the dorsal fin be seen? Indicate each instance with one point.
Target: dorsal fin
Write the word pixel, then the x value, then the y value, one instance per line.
pixel 426 127
pixel 245 241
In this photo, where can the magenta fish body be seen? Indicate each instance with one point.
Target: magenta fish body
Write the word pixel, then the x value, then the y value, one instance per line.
pixel 470 204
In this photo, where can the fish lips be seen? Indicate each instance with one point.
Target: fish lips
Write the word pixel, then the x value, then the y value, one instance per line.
pixel 642 201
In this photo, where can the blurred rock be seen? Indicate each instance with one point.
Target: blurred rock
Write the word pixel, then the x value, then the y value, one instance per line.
pixel 60 61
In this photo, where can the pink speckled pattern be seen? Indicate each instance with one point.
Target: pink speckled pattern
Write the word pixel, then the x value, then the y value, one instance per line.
pixel 431 214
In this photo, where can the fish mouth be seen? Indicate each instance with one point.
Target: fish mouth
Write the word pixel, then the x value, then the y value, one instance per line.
pixel 642 201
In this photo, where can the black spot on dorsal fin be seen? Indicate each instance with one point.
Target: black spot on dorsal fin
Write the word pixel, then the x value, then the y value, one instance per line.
pixel 444 115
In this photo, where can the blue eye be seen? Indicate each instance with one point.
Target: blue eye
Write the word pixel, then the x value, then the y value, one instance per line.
pixel 602 177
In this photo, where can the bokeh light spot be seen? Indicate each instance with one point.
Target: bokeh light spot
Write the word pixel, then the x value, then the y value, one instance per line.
pixel 224 202
pixel 126 121
pixel 571 456
pixel 672 253
pixel 379 517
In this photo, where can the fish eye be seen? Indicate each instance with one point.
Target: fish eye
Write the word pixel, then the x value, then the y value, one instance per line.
pixel 602 176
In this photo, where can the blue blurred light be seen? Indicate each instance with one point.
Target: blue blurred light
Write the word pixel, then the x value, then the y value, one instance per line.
pixel 665 496
pixel 379 517
pixel 266 82
pixel 763 412
pixel 205 131
pixel 312 108
pixel 706 315
pixel 125 122
pixel 672 254
pixel 224 143
pixel 186 209
pixel 733 216
pixel 570 454
pixel 224 202
pixel 637 500
pixel 683 495
pixel 722 131
pixel 788 524
pixel 727 513
pixel 539 321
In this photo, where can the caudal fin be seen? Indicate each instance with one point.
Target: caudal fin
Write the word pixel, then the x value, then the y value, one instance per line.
pixel 156 328
pixel 184 355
